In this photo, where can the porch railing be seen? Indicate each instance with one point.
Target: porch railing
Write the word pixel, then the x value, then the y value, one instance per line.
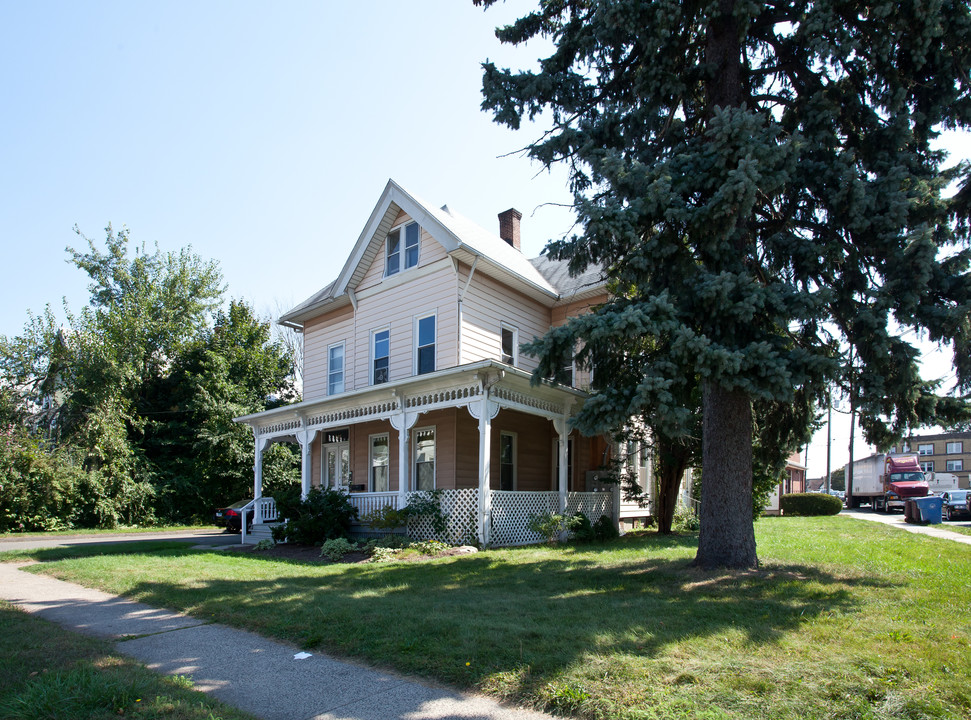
pixel 264 511
pixel 369 502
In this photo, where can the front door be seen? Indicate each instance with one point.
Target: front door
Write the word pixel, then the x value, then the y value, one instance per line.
pixel 337 466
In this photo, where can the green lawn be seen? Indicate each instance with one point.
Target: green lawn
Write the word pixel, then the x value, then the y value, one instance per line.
pixel 959 527
pixel 49 672
pixel 846 619
pixel 111 531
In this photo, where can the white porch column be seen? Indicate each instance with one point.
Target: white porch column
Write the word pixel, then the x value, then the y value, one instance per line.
pixel 305 438
pixel 562 448
pixel 484 410
pixel 258 465
pixel 403 422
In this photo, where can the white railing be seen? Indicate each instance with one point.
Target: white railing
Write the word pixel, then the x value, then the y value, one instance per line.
pixel 369 502
pixel 264 511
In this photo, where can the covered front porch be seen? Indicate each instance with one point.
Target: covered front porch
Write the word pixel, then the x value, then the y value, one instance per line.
pixel 440 431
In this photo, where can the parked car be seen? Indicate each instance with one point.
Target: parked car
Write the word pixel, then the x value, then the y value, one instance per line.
pixel 956 503
pixel 230 517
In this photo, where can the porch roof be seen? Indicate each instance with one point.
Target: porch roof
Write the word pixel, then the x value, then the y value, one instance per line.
pixel 453 387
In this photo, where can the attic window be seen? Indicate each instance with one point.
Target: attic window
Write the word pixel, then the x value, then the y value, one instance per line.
pixel 412 237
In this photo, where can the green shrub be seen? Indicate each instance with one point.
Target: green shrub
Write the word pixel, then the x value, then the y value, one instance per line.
pixel 427 503
pixel 604 529
pixel 547 525
pixel 810 504
pixel 685 520
pixel 336 548
pixel 386 517
pixel 264 544
pixel 580 528
pixel 325 514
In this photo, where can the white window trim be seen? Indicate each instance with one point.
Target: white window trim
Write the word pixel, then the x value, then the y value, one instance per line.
pixel 370 461
pixel 343 346
pixel 515 342
pixel 414 455
pixel 948 468
pixel 374 334
pixel 927 466
pixel 949 445
pixel 402 249
pixel 923 446
pixel 515 457
pixel 414 361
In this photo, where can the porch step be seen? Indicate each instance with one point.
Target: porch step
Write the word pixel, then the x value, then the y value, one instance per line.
pixel 263 531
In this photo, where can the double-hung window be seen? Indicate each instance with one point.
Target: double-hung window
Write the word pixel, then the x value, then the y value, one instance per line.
pixel 507 461
pixel 927 466
pixel 955 465
pixel 507 340
pixel 335 369
pixel 380 356
pixel 955 448
pixel 402 248
pixel 379 464
pixel 425 345
pixel 927 449
pixel 425 459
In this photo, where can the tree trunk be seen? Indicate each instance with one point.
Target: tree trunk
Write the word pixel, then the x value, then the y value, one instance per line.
pixel 727 537
pixel 672 462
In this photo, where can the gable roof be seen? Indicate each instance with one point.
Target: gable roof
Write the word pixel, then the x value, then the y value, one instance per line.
pixel 462 239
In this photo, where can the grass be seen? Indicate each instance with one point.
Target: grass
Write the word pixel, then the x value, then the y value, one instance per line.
pixel 845 619
pixel 49 672
pixel 964 529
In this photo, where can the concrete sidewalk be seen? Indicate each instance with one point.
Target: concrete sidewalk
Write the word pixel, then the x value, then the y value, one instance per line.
pixel 240 668
pixel 897 520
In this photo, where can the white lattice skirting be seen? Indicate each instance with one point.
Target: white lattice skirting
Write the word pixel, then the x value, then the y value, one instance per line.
pixel 511 512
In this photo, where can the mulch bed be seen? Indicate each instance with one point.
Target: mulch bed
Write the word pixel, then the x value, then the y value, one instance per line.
pixel 311 554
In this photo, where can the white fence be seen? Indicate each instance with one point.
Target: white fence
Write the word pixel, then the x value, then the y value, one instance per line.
pixel 511 512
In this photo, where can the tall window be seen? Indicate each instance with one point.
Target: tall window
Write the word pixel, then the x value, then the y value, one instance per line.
pixel 335 369
pixel 954 448
pixel 564 375
pixel 925 449
pixel 508 342
pixel 425 350
pixel 379 464
pixel 425 459
pixel 402 248
pixel 955 465
pixel 380 356
pixel 507 461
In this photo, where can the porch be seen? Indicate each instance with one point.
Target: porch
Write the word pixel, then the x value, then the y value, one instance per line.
pixel 483 496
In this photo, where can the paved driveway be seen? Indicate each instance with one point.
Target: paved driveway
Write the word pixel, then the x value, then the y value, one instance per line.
pixel 897 520
pixel 201 536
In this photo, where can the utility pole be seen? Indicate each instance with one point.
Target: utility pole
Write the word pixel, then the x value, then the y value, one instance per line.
pixel 829 438
pixel 850 501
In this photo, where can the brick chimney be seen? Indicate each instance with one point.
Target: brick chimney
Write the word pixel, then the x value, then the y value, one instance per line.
pixel 509 226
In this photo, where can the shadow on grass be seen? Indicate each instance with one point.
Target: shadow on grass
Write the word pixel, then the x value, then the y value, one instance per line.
pixel 524 615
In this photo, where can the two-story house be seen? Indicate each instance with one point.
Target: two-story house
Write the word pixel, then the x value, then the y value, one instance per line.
pixel 414 380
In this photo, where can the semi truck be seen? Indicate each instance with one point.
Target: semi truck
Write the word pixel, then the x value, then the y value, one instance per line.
pixel 885 481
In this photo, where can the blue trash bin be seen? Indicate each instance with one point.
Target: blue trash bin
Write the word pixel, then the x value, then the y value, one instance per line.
pixel 929 509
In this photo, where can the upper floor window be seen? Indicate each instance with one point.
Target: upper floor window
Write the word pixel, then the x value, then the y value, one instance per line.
pixel 927 466
pixel 402 248
pixel 425 459
pixel 925 449
pixel 508 341
pixel 425 346
pixel 380 356
pixel 335 369
pixel 955 465
pixel 954 448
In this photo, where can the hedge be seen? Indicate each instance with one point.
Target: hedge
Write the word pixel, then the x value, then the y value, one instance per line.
pixel 810 504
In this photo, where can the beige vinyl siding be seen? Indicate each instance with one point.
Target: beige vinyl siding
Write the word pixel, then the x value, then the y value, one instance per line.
pixel 434 291
pixel 318 334
pixel 430 251
pixel 487 305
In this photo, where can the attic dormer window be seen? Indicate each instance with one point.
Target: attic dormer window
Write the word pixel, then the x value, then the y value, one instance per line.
pixel 403 240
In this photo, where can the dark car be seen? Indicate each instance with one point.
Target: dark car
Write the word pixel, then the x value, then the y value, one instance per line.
pixel 230 516
pixel 955 504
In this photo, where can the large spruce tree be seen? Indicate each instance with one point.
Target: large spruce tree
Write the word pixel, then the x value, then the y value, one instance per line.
pixel 762 183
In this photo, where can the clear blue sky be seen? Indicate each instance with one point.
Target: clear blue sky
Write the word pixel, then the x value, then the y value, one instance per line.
pixel 261 134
